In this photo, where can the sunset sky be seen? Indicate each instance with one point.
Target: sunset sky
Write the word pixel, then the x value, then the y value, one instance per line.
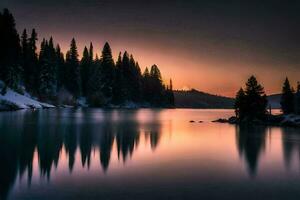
pixel 209 45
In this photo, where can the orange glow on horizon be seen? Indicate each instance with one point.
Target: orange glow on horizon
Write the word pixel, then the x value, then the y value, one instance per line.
pixel 215 75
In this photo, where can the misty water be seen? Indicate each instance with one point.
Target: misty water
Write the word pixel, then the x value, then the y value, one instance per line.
pixel 144 154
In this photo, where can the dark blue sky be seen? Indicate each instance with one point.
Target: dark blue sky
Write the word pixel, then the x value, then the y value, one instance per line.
pixel 207 38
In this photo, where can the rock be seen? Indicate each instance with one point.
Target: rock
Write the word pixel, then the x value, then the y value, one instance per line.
pixel 221 120
pixel 233 120
pixel 288 123
pixel 274 119
pixel 192 121
pixel 290 120
pixel 200 121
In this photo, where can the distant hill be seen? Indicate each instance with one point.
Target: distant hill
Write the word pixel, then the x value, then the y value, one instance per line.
pixel 197 99
pixel 274 101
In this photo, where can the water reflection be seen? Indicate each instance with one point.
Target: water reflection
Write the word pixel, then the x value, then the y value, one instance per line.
pixel 251 143
pixel 48 134
pixel 290 144
pixel 183 156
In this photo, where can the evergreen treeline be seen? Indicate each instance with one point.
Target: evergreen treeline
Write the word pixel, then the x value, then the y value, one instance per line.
pixel 251 103
pixel 53 77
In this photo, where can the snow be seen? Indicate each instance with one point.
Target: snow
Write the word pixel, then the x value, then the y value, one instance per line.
pixel 18 101
pixel 291 118
pixel 82 102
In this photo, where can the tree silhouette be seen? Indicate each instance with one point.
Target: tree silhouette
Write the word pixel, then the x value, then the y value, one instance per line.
pixel 85 66
pixel 240 103
pixel 107 72
pixel 48 70
pixel 61 67
pixel 287 98
pixel 31 76
pixel 51 77
pixel 251 104
pixel 10 50
pixel 250 142
pixel 73 70
pixel 146 85
pixel 118 87
pixel 25 58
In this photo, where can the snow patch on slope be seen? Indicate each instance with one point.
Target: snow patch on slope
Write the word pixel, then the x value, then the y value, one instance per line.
pixel 12 99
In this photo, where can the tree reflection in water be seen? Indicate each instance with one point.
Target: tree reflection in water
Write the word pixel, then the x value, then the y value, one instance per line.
pixel 290 144
pixel 251 143
pixel 48 134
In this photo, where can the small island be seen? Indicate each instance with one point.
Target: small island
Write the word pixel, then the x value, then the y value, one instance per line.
pixel 251 106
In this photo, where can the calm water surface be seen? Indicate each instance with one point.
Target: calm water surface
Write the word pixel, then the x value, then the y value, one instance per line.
pixel 144 154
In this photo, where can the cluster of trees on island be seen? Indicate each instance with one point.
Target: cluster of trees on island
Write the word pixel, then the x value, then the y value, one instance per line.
pixel 50 75
pixel 252 103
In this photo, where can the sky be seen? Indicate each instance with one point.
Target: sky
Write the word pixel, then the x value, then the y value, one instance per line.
pixel 209 45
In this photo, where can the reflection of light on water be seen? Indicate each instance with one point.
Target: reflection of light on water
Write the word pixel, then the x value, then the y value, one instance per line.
pixel 159 147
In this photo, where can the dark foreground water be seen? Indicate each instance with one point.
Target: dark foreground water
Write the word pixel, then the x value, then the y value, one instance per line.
pixel 144 154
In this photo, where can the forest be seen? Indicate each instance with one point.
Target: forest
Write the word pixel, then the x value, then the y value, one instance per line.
pixel 251 103
pixel 66 79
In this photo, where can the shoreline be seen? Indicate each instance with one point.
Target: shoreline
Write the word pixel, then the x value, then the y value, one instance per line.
pixel 281 120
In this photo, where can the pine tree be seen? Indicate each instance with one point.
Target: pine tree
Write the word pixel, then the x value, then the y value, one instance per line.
pixel 48 70
pixel 118 87
pixel 134 79
pixel 73 70
pixel 91 53
pixel 32 68
pixel 107 72
pixel 255 101
pixel 10 51
pixel 95 96
pixel 125 70
pixel 61 67
pixel 131 79
pixel 85 70
pixel 287 98
pixel 25 59
pixel 146 86
pixel 138 83
pixel 240 104
pixel 156 86
pixel 170 95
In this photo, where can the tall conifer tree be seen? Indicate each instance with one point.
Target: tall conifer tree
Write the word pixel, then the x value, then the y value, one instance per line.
pixel 32 69
pixel 25 59
pixel 85 70
pixel 146 86
pixel 91 52
pixel 287 98
pixel 10 50
pixel 48 70
pixel 73 70
pixel 156 86
pixel 61 67
pixel 107 71
pixel 118 87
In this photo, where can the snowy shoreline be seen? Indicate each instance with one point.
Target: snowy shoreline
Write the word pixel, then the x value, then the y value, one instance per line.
pixel 12 100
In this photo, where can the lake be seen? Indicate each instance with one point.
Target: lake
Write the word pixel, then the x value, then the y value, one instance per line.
pixel 144 154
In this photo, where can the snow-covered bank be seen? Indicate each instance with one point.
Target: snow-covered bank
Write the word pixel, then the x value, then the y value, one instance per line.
pixel 12 100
